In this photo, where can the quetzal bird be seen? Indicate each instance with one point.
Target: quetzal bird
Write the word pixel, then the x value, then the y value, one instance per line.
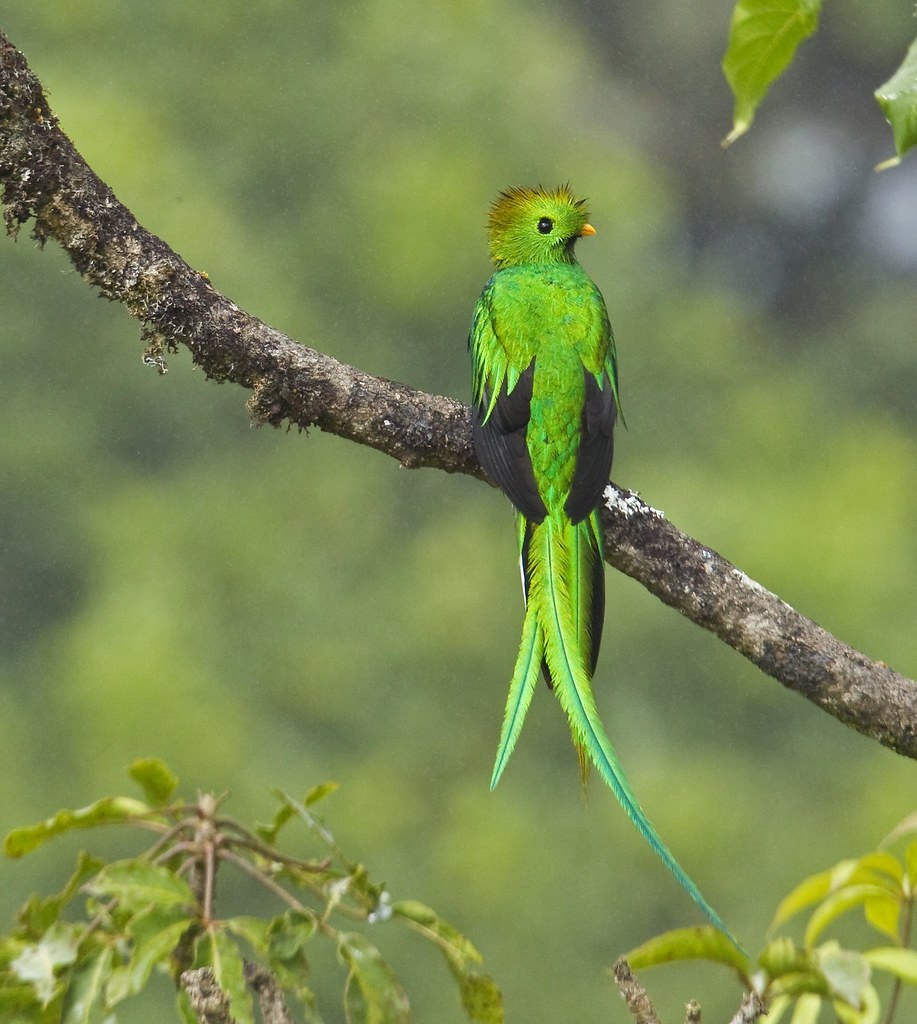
pixel 545 401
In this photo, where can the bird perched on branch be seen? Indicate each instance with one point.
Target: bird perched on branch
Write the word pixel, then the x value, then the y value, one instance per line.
pixel 545 400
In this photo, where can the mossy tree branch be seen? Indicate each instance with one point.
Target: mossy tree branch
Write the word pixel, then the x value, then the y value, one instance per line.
pixel 45 180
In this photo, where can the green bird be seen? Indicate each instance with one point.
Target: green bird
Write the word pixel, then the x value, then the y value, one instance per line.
pixel 545 401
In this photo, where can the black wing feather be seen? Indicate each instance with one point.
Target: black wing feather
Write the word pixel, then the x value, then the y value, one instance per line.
pixel 593 459
pixel 501 448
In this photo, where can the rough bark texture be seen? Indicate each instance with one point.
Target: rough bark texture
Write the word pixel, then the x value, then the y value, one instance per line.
pixel 44 179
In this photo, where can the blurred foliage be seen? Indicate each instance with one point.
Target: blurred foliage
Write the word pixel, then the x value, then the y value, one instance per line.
pixel 156 912
pixel 763 38
pixel 812 976
pixel 261 608
pixel 762 41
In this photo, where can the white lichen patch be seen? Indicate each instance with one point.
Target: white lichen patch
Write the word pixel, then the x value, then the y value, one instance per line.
pixel 747 581
pixel 629 504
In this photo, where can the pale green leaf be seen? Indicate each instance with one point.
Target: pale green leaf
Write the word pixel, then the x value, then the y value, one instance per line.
pixel 807 1008
pixel 812 890
pixel 702 943
pixel 883 913
pixel 424 919
pixel 777 1007
pixel 319 792
pixel 763 37
pixel 229 974
pixel 291 808
pixel 372 994
pixel 867 1013
pixel 39 963
pixel 481 997
pixel 837 904
pixel 103 812
pixel 898 99
pixel 873 867
pixel 138 885
pixel 157 780
pixel 846 972
pixel 900 962
pixel 910 859
pixel 83 1003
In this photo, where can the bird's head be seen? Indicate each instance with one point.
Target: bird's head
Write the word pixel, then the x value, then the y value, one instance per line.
pixel 534 225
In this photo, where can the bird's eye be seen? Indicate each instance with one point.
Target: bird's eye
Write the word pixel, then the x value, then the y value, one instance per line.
pixel 546 225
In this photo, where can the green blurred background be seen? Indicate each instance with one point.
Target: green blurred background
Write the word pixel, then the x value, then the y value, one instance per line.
pixel 262 608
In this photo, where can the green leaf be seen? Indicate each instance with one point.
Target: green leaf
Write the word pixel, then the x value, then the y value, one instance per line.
pixel 883 913
pixel 425 920
pixel 288 935
pixel 138 885
pixel 155 935
pixel 37 915
pixel 83 1002
pixel 846 972
pixel 254 930
pixel 900 962
pixel 157 780
pixel 868 1013
pixel 38 963
pixel 19 1005
pixel 812 890
pixel 103 812
pixel 898 100
pixel 319 792
pixel 873 866
pixel 910 860
pixel 782 956
pixel 807 1009
pixel 763 38
pixel 837 904
pixel 229 973
pixel 481 998
pixel 480 995
pixel 372 994
pixel 702 943
pixel 290 808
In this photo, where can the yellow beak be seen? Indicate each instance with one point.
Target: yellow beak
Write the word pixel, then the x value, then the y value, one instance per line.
pixel 588 229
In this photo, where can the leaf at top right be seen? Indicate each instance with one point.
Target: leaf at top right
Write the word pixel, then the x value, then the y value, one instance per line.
pixel 898 100
pixel 763 37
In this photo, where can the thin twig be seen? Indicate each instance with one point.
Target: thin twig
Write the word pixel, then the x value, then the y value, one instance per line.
pixel 633 993
pixel 267 882
pixel 692 1013
pixel 751 1010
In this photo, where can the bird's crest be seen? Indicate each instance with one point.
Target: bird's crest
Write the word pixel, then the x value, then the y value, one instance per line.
pixel 536 225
